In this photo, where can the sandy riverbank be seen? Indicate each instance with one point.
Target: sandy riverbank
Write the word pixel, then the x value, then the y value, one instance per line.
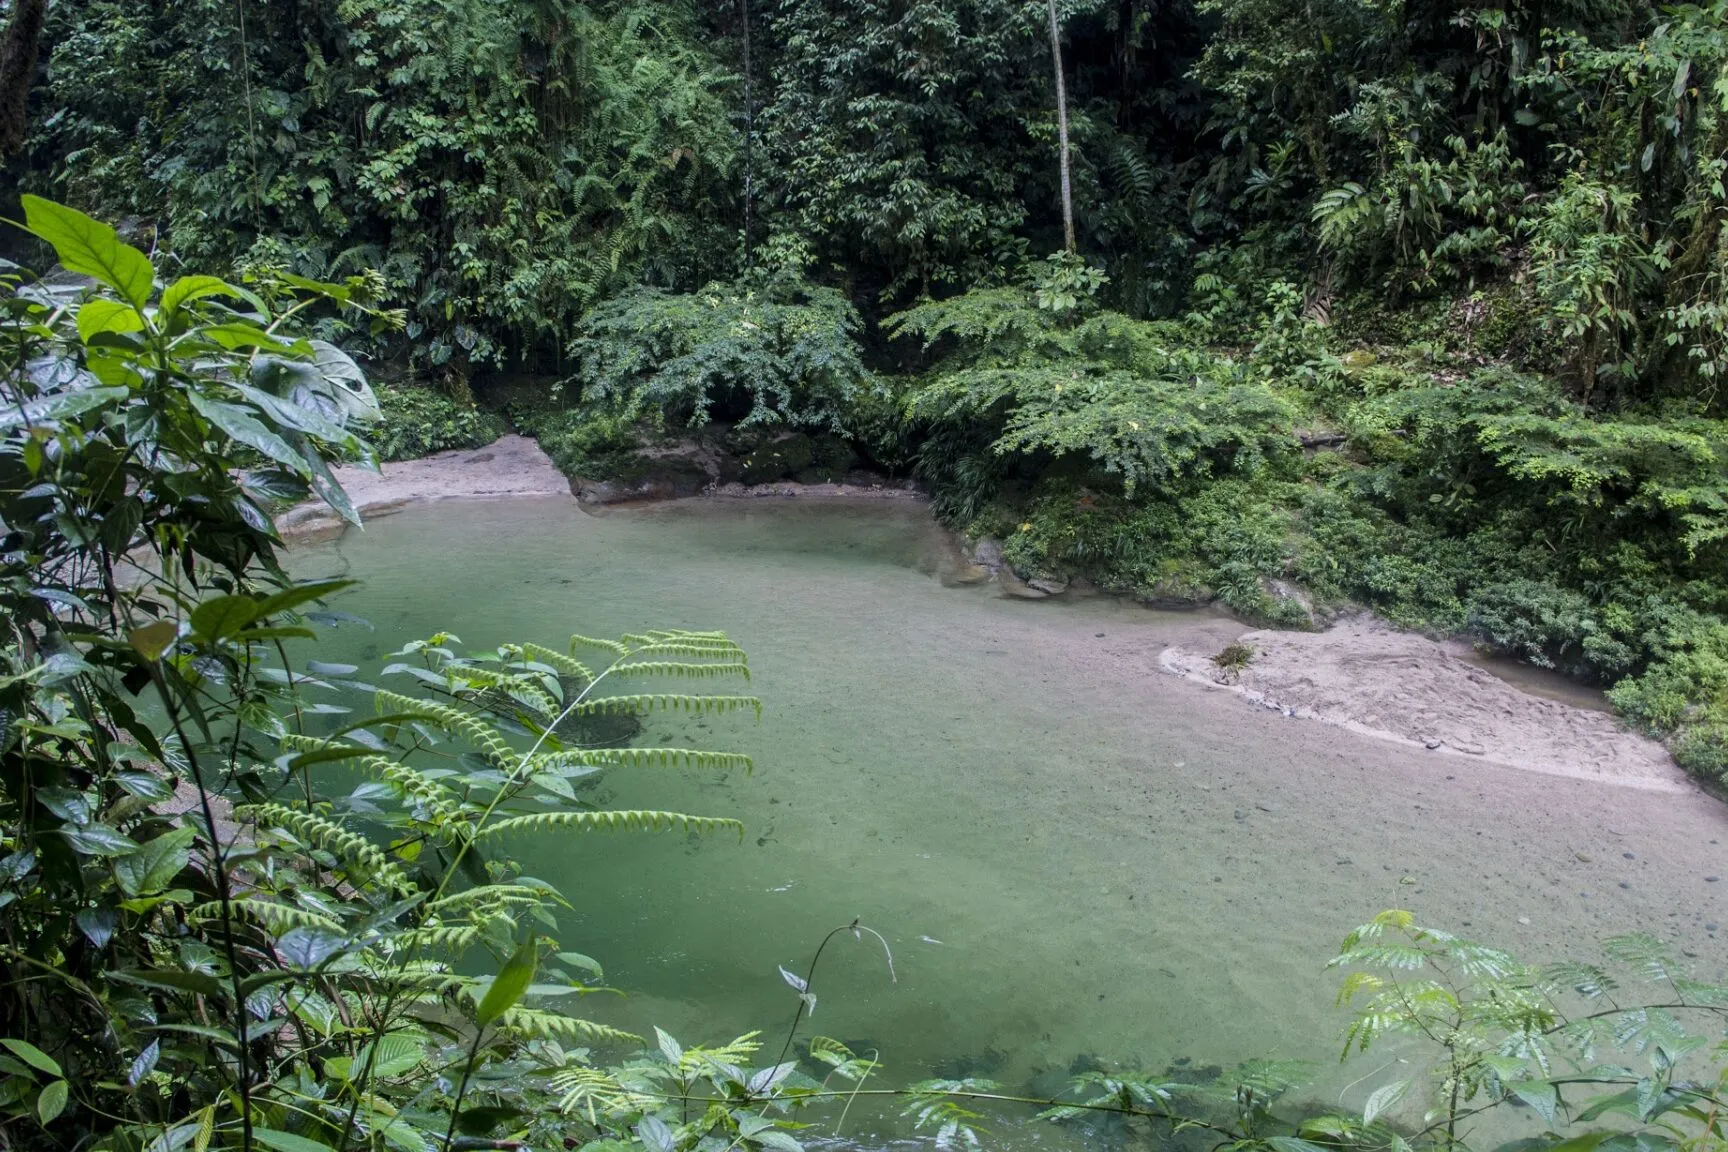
pixel 510 466
pixel 1365 676
pixel 1361 675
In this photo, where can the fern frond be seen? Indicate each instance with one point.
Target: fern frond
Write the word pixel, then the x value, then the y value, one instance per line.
pixel 535 1024
pixel 619 820
pixel 590 1090
pixel 686 758
pixel 276 917
pixel 1644 954
pixel 441 803
pixel 665 702
pixel 476 731
pixel 680 670
pixel 524 688
pixel 451 937
pixel 610 646
pixel 294 742
pixel 353 849
pixel 565 664
pixel 711 649
pixel 494 895
pixel 1585 979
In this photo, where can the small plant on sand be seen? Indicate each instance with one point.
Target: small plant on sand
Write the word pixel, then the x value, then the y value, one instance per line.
pixel 1234 657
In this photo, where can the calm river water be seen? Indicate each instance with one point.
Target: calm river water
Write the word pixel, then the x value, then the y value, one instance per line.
pixel 1073 856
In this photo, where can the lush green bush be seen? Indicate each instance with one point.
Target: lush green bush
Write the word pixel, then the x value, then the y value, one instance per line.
pixel 418 422
pixel 770 349
pixel 591 442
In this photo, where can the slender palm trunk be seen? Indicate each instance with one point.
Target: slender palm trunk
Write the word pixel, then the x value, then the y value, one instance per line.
pixel 1062 130
pixel 749 132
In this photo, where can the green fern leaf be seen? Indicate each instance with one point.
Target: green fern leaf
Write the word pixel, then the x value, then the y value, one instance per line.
pixel 692 705
pixel 679 670
pixel 615 820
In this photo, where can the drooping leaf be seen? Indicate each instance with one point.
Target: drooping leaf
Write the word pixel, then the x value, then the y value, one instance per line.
pixel 286 1141
pixel 1383 1098
pixel 511 983
pixel 52 1102
pixel 32 1056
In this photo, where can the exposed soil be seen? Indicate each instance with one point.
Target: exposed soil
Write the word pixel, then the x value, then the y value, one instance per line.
pixel 1367 677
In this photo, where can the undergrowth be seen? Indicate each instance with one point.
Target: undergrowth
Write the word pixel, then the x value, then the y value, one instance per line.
pixel 418 422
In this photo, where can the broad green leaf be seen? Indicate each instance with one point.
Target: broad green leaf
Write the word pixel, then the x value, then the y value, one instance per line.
pixel 299 594
pixel 153 867
pixel 654 1134
pixel 508 987
pixel 287 1141
pixel 237 335
pixel 307 948
pixel 672 1050
pixel 1540 1095
pixel 33 1056
pixel 189 288
pixel 152 640
pixel 144 1064
pixel 170 978
pixel 1383 1099
pixel 239 424
pixel 222 616
pixel 52 1102
pixel 90 247
pixel 104 315
pixel 58 406
pixel 98 840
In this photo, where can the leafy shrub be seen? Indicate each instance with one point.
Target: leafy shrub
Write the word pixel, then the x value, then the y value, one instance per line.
pixel 769 349
pixel 418 422
pixel 591 442
pixel 1136 399
pixel 1534 621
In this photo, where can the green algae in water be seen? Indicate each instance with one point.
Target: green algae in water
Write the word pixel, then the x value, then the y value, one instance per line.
pixel 1069 852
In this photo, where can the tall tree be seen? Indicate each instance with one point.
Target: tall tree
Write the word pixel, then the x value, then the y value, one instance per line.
pixel 1062 130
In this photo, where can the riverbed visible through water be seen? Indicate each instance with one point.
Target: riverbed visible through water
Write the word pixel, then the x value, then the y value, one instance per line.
pixel 1075 858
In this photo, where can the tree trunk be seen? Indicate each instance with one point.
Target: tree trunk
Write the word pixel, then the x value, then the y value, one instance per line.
pixel 749 135
pixel 1062 130
pixel 17 70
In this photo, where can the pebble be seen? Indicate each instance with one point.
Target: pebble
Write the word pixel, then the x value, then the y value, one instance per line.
pixel 1241 815
pixel 1623 884
pixel 1712 879
pixel 1711 926
pixel 1523 919
pixel 1432 744
pixel 1583 857
pixel 1630 855
pixel 1265 807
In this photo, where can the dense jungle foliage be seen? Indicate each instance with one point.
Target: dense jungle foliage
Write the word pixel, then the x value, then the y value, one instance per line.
pixel 1422 305
pixel 255 900
pixel 1417 305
